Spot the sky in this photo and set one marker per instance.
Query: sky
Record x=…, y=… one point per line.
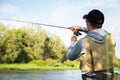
x=63, y=13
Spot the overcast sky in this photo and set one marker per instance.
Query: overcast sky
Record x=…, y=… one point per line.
x=62, y=13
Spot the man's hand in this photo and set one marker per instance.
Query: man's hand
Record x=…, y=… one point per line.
x=75, y=28
x=74, y=38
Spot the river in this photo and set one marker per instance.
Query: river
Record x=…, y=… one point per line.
x=41, y=75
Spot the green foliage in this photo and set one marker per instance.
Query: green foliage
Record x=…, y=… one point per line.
x=54, y=48
x=50, y=62
x=38, y=62
x=72, y=63
x=8, y=49
x=47, y=62
x=30, y=43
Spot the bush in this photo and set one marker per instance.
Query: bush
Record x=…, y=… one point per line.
x=71, y=63
x=38, y=62
x=59, y=65
x=51, y=62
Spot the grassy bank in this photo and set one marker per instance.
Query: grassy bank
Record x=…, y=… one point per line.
x=34, y=67
x=37, y=67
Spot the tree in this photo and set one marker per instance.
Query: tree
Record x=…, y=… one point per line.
x=9, y=50
x=32, y=44
x=54, y=48
x=29, y=43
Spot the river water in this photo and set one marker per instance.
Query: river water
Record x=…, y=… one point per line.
x=41, y=75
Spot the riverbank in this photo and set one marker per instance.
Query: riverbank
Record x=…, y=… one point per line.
x=37, y=67
x=34, y=67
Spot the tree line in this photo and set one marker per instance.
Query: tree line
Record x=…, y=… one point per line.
x=30, y=42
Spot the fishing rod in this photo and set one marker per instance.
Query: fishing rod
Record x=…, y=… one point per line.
x=77, y=33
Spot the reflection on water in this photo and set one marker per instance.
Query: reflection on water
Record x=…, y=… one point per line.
x=41, y=75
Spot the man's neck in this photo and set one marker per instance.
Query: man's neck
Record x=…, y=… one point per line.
x=91, y=28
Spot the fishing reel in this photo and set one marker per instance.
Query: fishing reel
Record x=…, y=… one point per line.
x=77, y=33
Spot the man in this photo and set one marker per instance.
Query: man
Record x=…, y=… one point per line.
x=96, y=50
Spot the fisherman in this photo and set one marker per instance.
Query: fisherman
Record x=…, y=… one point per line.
x=96, y=50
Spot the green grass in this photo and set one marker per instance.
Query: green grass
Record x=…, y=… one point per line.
x=33, y=67
x=117, y=68
x=37, y=67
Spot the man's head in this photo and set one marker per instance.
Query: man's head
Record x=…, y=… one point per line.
x=95, y=17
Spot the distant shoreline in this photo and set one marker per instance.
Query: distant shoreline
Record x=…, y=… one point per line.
x=37, y=67
x=34, y=67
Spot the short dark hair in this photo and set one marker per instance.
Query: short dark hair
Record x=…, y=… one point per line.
x=97, y=25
